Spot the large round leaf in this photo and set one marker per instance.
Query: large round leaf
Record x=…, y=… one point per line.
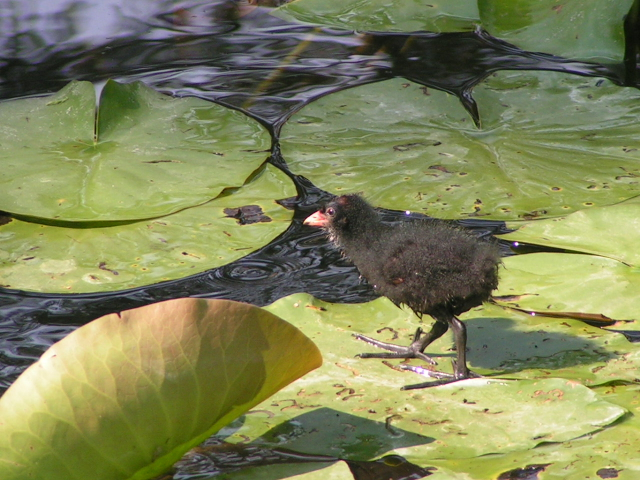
x=564, y=282
x=381, y=15
x=126, y=395
x=353, y=408
x=550, y=144
x=366, y=415
x=48, y=258
x=609, y=453
x=584, y=29
x=612, y=231
x=146, y=155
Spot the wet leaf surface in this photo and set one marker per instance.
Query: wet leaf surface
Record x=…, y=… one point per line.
x=145, y=156
x=48, y=258
x=612, y=231
x=552, y=27
x=409, y=148
x=571, y=282
x=613, y=448
x=376, y=15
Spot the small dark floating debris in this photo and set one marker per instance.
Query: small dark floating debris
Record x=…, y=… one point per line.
x=608, y=472
x=593, y=319
x=163, y=161
x=530, y=472
x=247, y=215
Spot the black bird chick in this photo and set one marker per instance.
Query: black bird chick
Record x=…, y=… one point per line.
x=432, y=267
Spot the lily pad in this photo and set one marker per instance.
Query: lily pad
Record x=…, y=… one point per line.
x=512, y=344
x=581, y=29
x=47, y=258
x=557, y=282
x=126, y=395
x=353, y=408
x=610, y=453
x=584, y=29
x=612, y=231
x=380, y=15
x=147, y=155
x=550, y=144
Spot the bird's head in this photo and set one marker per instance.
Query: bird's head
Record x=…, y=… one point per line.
x=345, y=216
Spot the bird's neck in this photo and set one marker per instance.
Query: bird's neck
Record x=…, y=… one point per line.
x=365, y=227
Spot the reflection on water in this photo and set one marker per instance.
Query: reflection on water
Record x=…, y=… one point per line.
x=247, y=59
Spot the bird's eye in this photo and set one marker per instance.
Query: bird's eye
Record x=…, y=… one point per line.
x=330, y=211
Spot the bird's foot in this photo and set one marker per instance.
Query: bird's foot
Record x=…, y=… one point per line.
x=396, y=351
x=440, y=378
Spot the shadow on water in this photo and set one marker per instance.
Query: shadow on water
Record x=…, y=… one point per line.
x=244, y=61
x=324, y=435
x=270, y=69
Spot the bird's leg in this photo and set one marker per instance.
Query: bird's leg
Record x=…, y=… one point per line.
x=460, y=369
x=415, y=350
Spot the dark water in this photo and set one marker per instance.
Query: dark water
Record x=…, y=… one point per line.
x=222, y=53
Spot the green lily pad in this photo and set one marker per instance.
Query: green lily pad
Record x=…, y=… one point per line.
x=587, y=30
x=353, y=408
x=126, y=395
x=380, y=15
x=550, y=144
x=147, y=155
x=557, y=282
x=517, y=345
x=582, y=29
x=610, y=453
x=48, y=258
x=612, y=231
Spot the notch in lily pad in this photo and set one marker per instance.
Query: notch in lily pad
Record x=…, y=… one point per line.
x=143, y=155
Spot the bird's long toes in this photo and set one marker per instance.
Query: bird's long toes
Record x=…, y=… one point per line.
x=425, y=371
x=426, y=358
x=395, y=351
x=439, y=378
x=391, y=347
x=434, y=383
x=463, y=372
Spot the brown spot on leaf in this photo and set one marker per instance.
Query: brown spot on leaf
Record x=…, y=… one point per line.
x=313, y=307
x=440, y=168
x=103, y=266
x=406, y=146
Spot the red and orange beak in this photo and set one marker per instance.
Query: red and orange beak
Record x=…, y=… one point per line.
x=318, y=219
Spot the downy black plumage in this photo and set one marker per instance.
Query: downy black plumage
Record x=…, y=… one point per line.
x=431, y=266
